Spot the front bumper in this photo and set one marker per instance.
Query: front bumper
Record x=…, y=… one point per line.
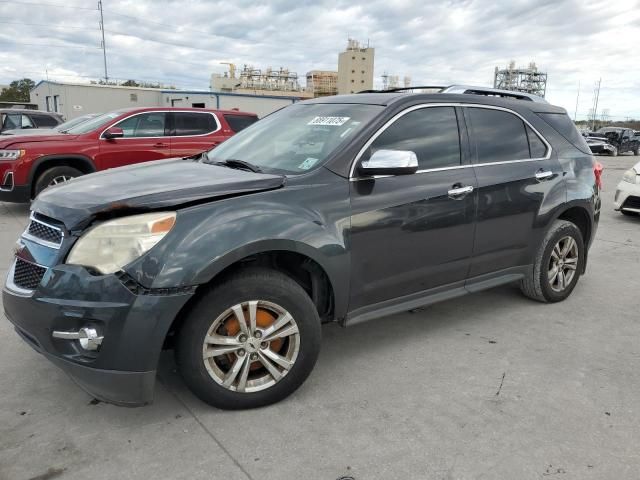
x=134, y=327
x=17, y=194
x=603, y=149
x=627, y=197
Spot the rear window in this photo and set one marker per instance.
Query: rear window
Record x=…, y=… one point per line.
x=240, y=122
x=562, y=124
x=44, y=121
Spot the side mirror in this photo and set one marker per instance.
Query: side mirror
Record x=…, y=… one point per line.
x=390, y=162
x=113, y=132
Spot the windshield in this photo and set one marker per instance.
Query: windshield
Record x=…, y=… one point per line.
x=295, y=139
x=94, y=123
x=72, y=123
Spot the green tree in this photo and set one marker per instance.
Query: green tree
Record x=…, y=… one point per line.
x=18, y=91
x=130, y=83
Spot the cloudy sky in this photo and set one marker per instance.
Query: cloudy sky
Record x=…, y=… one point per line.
x=433, y=42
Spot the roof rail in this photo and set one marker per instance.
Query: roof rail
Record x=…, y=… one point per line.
x=439, y=88
x=493, y=92
x=487, y=91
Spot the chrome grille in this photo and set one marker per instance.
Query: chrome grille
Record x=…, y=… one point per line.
x=43, y=232
x=27, y=275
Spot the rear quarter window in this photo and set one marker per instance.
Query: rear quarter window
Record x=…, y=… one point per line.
x=240, y=122
x=562, y=124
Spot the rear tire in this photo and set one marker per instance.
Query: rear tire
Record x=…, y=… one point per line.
x=541, y=284
x=226, y=365
x=55, y=176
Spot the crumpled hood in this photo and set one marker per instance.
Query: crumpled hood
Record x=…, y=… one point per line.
x=147, y=186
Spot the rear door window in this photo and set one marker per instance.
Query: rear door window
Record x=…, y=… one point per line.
x=240, y=122
x=431, y=133
x=194, y=123
x=498, y=136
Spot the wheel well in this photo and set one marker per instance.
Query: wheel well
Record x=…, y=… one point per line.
x=304, y=270
x=580, y=218
x=78, y=163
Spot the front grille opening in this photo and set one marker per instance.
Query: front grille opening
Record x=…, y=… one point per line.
x=44, y=232
x=27, y=275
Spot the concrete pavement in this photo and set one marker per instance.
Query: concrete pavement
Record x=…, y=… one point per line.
x=490, y=386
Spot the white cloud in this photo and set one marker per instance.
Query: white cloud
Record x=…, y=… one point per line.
x=456, y=41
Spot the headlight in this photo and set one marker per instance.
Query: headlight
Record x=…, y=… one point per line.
x=11, y=154
x=111, y=245
x=631, y=176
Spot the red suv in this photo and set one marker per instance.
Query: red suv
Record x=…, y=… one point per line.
x=29, y=164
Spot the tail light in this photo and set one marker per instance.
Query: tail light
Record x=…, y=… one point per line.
x=597, y=169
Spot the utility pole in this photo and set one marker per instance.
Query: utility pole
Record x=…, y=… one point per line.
x=104, y=46
x=595, y=104
x=575, y=114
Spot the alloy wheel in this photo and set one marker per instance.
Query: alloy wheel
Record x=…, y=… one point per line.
x=251, y=346
x=563, y=264
x=59, y=179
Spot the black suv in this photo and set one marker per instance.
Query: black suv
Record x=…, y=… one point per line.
x=339, y=209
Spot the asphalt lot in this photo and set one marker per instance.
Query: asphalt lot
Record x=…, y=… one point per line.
x=490, y=386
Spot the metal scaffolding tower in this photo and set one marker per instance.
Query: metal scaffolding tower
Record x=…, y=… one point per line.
x=521, y=79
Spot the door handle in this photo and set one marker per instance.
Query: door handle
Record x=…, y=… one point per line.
x=459, y=192
x=161, y=145
x=543, y=175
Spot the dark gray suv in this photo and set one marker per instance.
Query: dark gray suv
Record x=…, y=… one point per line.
x=340, y=209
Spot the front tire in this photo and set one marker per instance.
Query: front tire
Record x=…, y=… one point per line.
x=250, y=341
x=54, y=176
x=557, y=265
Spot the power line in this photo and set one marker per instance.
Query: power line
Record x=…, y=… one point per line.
x=46, y=25
x=41, y=4
x=48, y=45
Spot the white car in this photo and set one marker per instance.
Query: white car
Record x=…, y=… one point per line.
x=627, y=198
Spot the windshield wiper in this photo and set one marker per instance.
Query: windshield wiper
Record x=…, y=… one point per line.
x=239, y=164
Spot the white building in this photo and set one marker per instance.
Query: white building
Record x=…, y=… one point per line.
x=75, y=99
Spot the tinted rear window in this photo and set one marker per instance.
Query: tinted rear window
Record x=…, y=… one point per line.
x=191, y=123
x=498, y=136
x=240, y=122
x=44, y=120
x=562, y=124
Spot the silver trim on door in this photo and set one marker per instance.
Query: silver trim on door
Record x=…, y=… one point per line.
x=458, y=192
x=544, y=175
x=463, y=105
x=218, y=125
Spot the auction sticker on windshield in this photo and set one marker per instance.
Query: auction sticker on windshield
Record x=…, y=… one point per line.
x=333, y=121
